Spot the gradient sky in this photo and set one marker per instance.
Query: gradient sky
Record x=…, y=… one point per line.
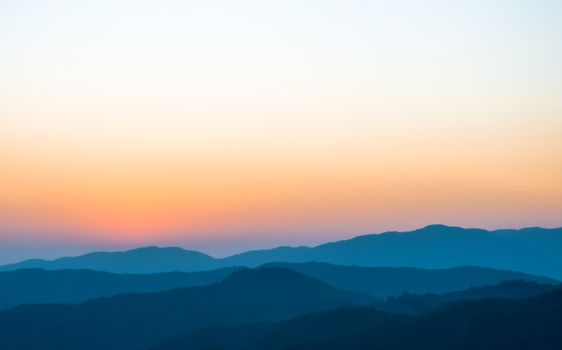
x=228, y=125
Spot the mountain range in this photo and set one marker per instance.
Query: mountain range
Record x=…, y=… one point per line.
x=530, y=250
x=383, y=282
x=486, y=324
x=134, y=321
x=438, y=287
x=32, y=286
x=413, y=304
x=251, y=308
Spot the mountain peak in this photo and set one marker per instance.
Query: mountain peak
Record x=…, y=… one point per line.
x=269, y=275
x=436, y=227
x=159, y=250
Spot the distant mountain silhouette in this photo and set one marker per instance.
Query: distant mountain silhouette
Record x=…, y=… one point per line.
x=530, y=250
x=415, y=304
x=141, y=260
x=386, y=281
x=488, y=324
x=31, y=286
x=134, y=321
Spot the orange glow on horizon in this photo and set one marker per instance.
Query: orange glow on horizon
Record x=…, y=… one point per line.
x=226, y=120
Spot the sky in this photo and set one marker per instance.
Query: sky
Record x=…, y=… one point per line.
x=232, y=125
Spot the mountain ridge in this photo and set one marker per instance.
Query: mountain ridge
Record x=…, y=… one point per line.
x=246, y=296
x=383, y=282
x=531, y=250
x=32, y=286
x=490, y=324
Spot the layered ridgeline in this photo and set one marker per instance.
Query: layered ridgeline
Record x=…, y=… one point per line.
x=34, y=286
x=134, y=321
x=250, y=300
x=31, y=286
x=529, y=324
x=383, y=282
x=413, y=304
x=531, y=250
x=246, y=310
x=141, y=260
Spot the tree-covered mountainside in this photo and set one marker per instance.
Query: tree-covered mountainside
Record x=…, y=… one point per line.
x=132, y=321
x=33, y=286
x=487, y=324
x=245, y=309
x=392, y=281
x=408, y=303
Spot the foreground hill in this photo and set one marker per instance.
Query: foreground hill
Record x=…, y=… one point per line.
x=386, y=281
x=530, y=250
x=408, y=303
x=32, y=286
x=133, y=321
x=490, y=324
